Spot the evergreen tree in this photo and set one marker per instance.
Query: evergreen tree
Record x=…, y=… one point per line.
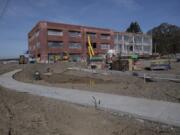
x=134, y=28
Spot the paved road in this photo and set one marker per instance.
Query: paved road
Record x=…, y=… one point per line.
x=159, y=111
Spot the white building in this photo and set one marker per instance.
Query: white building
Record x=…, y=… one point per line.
x=127, y=44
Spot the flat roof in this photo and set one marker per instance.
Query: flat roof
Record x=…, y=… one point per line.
x=83, y=26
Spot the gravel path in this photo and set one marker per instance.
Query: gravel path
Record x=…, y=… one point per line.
x=159, y=111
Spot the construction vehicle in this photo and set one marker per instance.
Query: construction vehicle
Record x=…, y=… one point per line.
x=22, y=59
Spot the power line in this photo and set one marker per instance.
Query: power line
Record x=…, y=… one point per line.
x=4, y=8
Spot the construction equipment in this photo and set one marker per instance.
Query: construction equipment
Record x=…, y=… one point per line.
x=65, y=56
x=95, y=61
x=160, y=64
x=36, y=75
x=111, y=57
x=22, y=59
x=90, y=49
x=122, y=65
x=53, y=58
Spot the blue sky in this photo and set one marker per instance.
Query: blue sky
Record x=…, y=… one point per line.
x=21, y=15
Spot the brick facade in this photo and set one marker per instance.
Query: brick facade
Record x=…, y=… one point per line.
x=48, y=38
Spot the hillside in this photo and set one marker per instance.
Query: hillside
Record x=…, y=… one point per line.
x=166, y=38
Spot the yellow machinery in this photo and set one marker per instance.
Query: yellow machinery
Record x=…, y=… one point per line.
x=22, y=59
x=90, y=49
x=65, y=56
x=96, y=62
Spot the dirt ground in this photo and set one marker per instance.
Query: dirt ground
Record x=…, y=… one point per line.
x=122, y=85
x=25, y=114
x=9, y=67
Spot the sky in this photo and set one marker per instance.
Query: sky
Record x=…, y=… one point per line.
x=20, y=16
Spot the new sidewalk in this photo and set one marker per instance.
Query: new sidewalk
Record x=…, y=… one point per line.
x=159, y=111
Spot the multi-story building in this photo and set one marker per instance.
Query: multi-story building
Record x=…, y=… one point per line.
x=48, y=39
x=127, y=44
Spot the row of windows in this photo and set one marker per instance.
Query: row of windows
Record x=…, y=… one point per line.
x=77, y=34
x=55, y=44
x=141, y=39
x=71, y=34
x=74, y=45
x=55, y=32
x=136, y=48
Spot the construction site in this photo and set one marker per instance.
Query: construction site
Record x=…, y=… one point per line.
x=80, y=80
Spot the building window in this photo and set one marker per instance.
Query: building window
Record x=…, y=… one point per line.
x=147, y=48
x=55, y=44
x=75, y=45
x=30, y=38
x=55, y=32
x=138, y=48
x=128, y=38
x=130, y=48
x=37, y=34
x=74, y=33
x=91, y=34
x=34, y=47
x=105, y=46
x=118, y=48
x=147, y=40
x=38, y=45
x=105, y=36
x=138, y=39
x=120, y=37
x=94, y=45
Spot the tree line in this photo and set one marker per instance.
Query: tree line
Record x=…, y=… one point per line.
x=166, y=37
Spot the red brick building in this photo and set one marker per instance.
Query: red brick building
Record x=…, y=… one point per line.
x=48, y=39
